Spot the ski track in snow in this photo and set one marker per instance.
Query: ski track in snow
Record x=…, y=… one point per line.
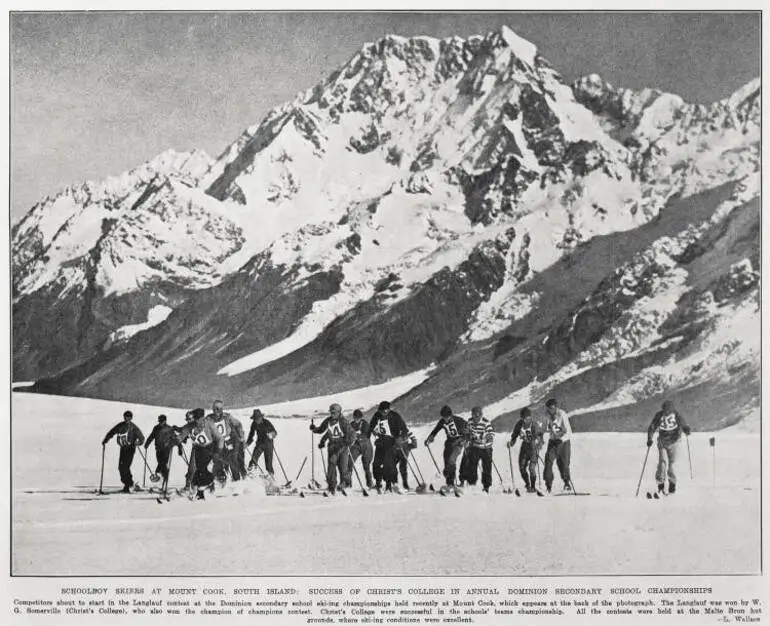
x=56, y=449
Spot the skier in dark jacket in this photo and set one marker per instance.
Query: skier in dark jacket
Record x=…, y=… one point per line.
x=362, y=446
x=405, y=445
x=456, y=429
x=669, y=425
x=164, y=436
x=265, y=432
x=341, y=437
x=128, y=436
x=390, y=431
x=531, y=433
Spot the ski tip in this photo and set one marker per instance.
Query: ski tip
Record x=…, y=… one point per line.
x=518, y=493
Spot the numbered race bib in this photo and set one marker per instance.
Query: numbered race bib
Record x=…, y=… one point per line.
x=122, y=439
x=221, y=427
x=451, y=429
x=382, y=429
x=335, y=431
x=201, y=438
x=668, y=422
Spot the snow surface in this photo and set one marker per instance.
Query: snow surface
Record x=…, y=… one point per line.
x=362, y=398
x=155, y=316
x=60, y=528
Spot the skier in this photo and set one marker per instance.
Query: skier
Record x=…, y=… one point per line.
x=265, y=432
x=388, y=427
x=669, y=425
x=231, y=430
x=456, y=430
x=403, y=447
x=165, y=439
x=208, y=445
x=128, y=437
x=481, y=437
x=340, y=436
x=362, y=446
x=531, y=433
x=559, y=448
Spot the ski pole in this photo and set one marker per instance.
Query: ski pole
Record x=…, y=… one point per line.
x=153, y=476
x=420, y=484
x=275, y=451
x=301, y=467
x=497, y=471
x=513, y=480
x=417, y=466
x=644, y=465
x=168, y=474
x=144, y=476
x=358, y=477
x=539, y=476
x=101, y=471
x=313, y=482
x=432, y=458
x=689, y=458
x=323, y=462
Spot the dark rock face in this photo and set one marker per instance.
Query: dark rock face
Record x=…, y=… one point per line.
x=570, y=241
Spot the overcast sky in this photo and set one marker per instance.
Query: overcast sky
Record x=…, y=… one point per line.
x=95, y=94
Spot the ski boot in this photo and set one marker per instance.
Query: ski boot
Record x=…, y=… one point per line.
x=671, y=488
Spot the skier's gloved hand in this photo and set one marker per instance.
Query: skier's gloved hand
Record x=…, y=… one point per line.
x=272, y=435
x=649, y=443
x=311, y=427
x=510, y=443
x=686, y=430
x=321, y=446
x=428, y=441
x=104, y=442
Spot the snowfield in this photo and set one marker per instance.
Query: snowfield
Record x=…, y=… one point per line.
x=61, y=528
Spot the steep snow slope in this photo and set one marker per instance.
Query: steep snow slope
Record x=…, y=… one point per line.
x=433, y=201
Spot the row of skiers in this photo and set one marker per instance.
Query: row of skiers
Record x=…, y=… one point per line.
x=219, y=446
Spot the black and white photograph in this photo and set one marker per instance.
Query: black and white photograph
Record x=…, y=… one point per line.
x=385, y=293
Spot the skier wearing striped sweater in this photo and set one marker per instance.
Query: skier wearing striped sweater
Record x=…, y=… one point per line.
x=481, y=437
x=456, y=430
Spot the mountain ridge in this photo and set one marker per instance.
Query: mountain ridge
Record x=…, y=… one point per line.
x=414, y=197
